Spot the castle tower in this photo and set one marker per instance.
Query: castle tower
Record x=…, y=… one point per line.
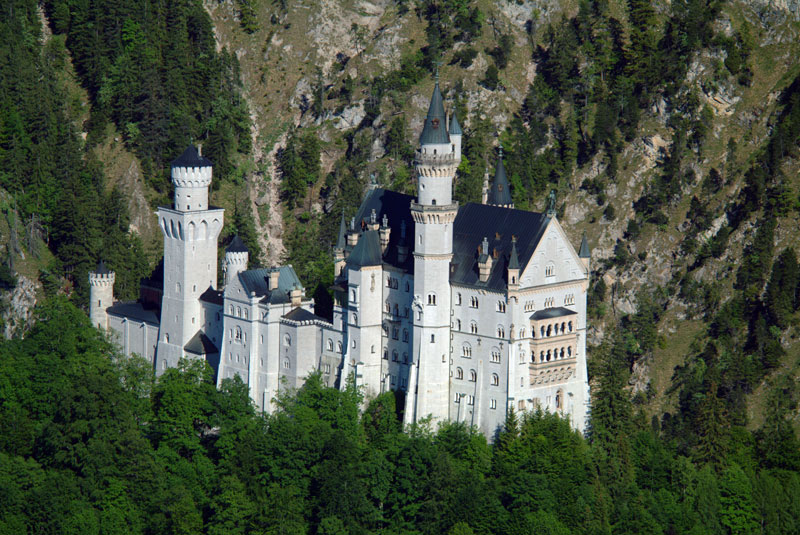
x=101, y=295
x=236, y=258
x=500, y=194
x=585, y=254
x=434, y=212
x=190, y=228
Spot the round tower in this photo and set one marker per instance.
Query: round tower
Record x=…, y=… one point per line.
x=191, y=175
x=236, y=258
x=101, y=295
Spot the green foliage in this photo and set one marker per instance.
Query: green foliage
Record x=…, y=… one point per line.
x=299, y=163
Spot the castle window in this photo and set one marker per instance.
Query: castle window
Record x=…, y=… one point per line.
x=166, y=337
x=338, y=347
x=245, y=314
x=330, y=344
x=501, y=306
x=495, y=355
x=458, y=298
x=466, y=350
x=473, y=302
x=501, y=331
x=408, y=287
x=405, y=312
x=432, y=299
x=569, y=326
x=569, y=299
x=405, y=358
x=473, y=327
x=287, y=340
x=458, y=325
x=459, y=373
x=493, y=404
x=495, y=380
x=394, y=356
x=433, y=338
x=388, y=307
x=385, y=354
x=178, y=287
x=549, y=270
x=238, y=312
x=237, y=335
x=522, y=333
x=353, y=344
x=569, y=351
x=396, y=310
x=285, y=364
x=473, y=376
x=521, y=404
x=353, y=295
x=405, y=335
x=470, y=400
x=372, y=349
x=355, y=318
x=395, y=333
x=457, y=398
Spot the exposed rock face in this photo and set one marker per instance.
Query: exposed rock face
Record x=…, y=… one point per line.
x=18, y=306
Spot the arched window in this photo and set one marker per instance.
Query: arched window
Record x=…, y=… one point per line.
x=394, y=356
x=569, y=351
x=432, y=299
x=330, y=344
x=237, y=335
x=458, y=298
x=285, y=364
x=458, y=325
x=238, y=312
x=459, y=373
x=287, y=340
x=388, y=307
x=548, y=330
x=495, y=355
x=405, y=335
x=473, y=327
x=338, y=347
x=501, y=306
x=501, y=331
x=466, y=350
x=408, y=287
x=405, y=358
x=245, y=314
x=473, y=376
x=372, y=349
x=396, y=310
x=495, y=380
x=353, y=295
x=231, y=310
x=385, y=354
x=569, y=326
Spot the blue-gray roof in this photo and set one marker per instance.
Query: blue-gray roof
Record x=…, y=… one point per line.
x=200, y=344
x=549, y=313
x=367, y=251
x=102, y=269
x=455, y=128
x=302, y=315
x=435, y=129
x=212, y=296
x=135, y=311
x=472, y=224
x=341, y=241
x=257, y=281
x=513, y=260
x=191, y=158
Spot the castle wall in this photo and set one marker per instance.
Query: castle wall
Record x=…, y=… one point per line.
x=134, y=336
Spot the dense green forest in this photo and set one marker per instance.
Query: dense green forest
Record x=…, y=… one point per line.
x=93, y=445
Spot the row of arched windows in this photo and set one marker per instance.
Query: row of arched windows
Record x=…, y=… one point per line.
x=237, y=311
x=473, y=377
x=555, y=329
x=329, y=346
x=553, y=354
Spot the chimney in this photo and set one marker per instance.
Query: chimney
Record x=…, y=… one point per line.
x=352, y=235
x=296, y=295
x=484, y=261
x=274, y=274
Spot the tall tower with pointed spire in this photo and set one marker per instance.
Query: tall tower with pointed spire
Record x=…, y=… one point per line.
x=434, y=212
x=190, y=228
x=499, y=193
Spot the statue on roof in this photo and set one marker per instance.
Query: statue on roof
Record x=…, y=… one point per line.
x=551, y=204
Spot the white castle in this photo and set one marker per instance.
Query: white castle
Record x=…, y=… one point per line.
x=464, y=311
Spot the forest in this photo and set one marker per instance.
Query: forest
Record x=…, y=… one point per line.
x=92, y=444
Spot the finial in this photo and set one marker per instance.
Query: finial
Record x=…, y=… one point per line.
x=372, y=216
x=385, y=221
x=500, y=143
x=353, y=223
x=437, y=64
x=485, y=246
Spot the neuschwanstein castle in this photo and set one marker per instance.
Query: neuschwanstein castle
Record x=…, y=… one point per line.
x=467, y=310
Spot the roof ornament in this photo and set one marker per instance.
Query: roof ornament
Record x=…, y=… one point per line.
x=551, y=204
x=385, y=221
x=353, y=224
x=372, y=217
x=485, y=246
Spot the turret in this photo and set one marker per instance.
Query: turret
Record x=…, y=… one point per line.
x=338, y=251
x=236, y=258
x=500, y=193
x=485, y=189
x=101, y=294
x=191, y=175
x=513, y=266
x=584, y=253
x=436, y=159
x=455, y=134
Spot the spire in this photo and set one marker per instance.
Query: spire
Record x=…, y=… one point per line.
x=500, y=193
x=236, y=246
x=435, y=130
x=584, y=251
x=341, y=242
x=513, y=261
x=102, y=269
x=455, y=128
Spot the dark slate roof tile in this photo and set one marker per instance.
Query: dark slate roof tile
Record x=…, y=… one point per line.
x=549, y=313
x=135, y=311
x=257, y=281
x=191, y=158
x=237, y=246
x=435, y=129
x=367, y=251
x=200, y=344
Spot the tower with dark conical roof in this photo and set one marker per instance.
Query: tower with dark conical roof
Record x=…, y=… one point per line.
x=190, y=228
x=236, y=258
x=434, y=212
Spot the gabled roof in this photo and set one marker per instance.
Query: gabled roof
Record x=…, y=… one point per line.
x=367, y=251
x=549, y=313
x=473, y=222
x=455, y=128
x=236, y=246
x=584, y=252
x=257, y=281
x=435, y=129
x=499, y=192
x=191, y=158
x=200, y=344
